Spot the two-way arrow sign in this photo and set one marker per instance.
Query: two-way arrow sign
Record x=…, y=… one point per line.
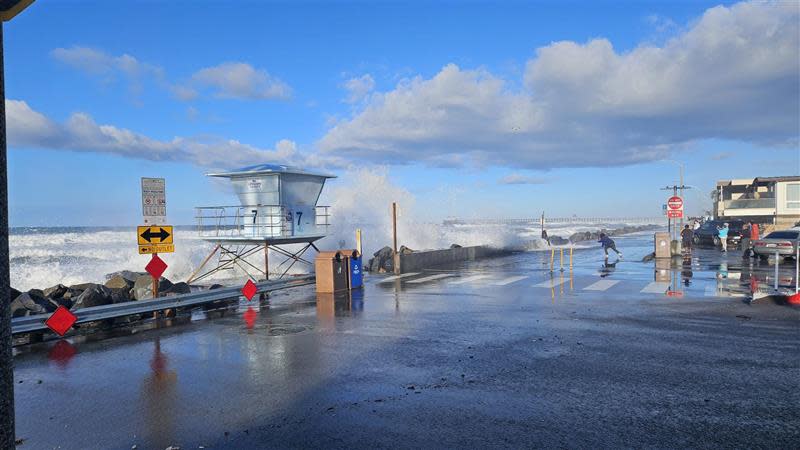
x=155, y=235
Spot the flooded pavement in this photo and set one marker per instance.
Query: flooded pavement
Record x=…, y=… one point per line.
x=495, y=353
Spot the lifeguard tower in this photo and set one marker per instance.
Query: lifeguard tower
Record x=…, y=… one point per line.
x=278, y=207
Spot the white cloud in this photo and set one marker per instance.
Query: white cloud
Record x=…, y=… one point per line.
x=517, y=178
x=107, y=67
x=358, y=88
x=733, y=74
x=28, y=128
x=235, y=80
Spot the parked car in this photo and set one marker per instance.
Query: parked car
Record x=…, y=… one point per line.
x=782, y=242
x=709, y=235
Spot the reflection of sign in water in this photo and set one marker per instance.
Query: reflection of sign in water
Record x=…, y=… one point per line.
x=160, y=400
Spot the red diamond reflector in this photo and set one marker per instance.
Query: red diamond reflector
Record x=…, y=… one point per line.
x=156, y=267
x=249, y=290
x=61, y=321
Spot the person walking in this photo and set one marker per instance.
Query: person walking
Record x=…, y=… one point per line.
x=722, y=232
x=686, y=237
x=608, y=243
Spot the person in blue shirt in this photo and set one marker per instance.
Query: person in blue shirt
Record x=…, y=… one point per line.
x=608, y=243
x=722, y=232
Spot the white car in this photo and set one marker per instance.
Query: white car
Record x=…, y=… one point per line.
x=784, y=243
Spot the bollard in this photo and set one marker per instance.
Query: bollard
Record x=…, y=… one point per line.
x=777, y=264
x=562, y=259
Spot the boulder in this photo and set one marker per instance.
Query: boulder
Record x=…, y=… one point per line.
x=143, y=287
x=558, y=240
x=34, y=302
x=649, y=257
x=405, y=250
x=95, y=295
x=455, y=246
x=126, y=274
x=119, y=282
x=383, y=259
x=178, y=288
x=120, y=295
x=81, y=287
x=56, y=291
x=215, y=286
x=18, y=309
x=14, y=293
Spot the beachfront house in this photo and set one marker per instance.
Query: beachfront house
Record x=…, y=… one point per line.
x=766, y=200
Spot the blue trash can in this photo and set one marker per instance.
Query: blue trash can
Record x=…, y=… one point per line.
x=356, y=270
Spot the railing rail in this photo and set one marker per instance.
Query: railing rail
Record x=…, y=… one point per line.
x=257, y=221
x=750, y=203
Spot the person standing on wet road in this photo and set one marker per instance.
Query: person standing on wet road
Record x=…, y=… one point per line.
x=722, y=232
x=686, y=237
x=608, y=243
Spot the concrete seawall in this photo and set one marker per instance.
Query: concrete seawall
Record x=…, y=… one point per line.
x=416, y=261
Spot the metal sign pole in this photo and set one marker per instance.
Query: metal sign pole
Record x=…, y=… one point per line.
x=6, y=359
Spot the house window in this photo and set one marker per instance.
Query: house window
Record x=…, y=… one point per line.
x=793, y=196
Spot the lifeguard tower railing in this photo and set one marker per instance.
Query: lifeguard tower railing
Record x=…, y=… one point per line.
x=258, y=222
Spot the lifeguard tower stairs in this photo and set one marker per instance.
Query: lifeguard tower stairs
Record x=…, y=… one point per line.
x=278, y=211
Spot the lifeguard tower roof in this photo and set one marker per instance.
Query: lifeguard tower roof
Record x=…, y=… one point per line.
x=265, y=169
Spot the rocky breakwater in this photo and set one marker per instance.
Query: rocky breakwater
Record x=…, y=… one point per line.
x=124, y=286
x=595, y=235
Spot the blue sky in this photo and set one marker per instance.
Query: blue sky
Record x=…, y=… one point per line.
x=576, y=103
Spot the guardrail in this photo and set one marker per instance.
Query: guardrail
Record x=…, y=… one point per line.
x=258, y=221
x=560, y=220
x=28, y=324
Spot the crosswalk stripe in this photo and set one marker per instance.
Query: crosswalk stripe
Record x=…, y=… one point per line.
x=601, y=285
x=431, y=278
x=553, y=282
x=469, y=279
x=397, y=277
x=509, y=280
x=711, y=291
x=656, y=287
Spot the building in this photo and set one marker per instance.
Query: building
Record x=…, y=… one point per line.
x=767, y=200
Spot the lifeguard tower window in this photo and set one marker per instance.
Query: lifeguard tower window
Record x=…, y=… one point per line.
x=277, y=206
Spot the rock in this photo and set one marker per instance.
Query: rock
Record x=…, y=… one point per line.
x=215, y=286
x=126, y=274
x=405, y=250
x=56, y=291
x=95, y=295
x=119, y=282
x=14, y=294
x=649, y=257
x=383, y=259
x=18, y=309
x=81, y=287
x=455, y=246
x=178, y=288
x=558, y=240
x=143, y=287
x=34, y=302
x=120, y=295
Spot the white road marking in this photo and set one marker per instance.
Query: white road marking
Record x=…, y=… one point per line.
x=469, y=279
x=431, y=278
x=656, y=287
x=509, y=280
x=601, y=285
x=711, y=291
x=397, y=277
x=552, y=282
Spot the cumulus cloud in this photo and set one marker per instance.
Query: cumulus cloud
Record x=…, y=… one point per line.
x=518, y=178
x=733, y=74
x=235, y=80
x=358, y=88
x=28, y=128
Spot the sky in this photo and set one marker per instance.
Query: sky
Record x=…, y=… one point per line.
x=477, y=109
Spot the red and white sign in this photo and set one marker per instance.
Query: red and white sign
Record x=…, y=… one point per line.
x=675, y=207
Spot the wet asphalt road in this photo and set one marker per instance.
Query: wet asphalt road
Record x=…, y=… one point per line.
x=495, y=353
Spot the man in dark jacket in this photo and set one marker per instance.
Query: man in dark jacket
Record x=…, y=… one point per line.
x=608, y=243
x=686, y=238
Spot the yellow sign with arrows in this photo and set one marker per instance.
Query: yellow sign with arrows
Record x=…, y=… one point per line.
x=155, y=239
